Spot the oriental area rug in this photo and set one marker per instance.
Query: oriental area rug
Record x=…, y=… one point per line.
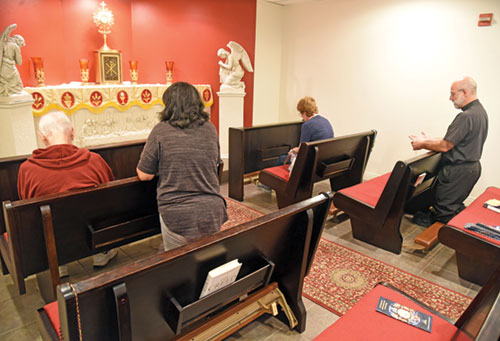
x=340, y=277
x=238, y=214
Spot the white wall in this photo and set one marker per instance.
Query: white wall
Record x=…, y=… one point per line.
x=388, y=65
x=267, y=78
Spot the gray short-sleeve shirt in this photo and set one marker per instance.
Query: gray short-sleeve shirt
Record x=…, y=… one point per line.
x=188, y=188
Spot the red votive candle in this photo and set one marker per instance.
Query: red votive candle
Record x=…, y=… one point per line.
x=84, y=64
x=170, y=65
x=37, y=63
x=133, y=65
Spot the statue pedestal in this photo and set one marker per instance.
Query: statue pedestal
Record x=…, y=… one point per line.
x=230, y=115
x=17, y=127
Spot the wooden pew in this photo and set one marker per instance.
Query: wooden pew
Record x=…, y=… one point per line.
x=121, y=157
x=59, y=228
x=255, y=148
x=480, y=321
x=158, y=297
x=377, y=206
x=342, y=160
x=477, y=255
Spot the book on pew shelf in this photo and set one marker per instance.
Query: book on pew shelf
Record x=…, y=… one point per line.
x=492, y=204
x=402, y=313
x=221, y=277
x=485, y=230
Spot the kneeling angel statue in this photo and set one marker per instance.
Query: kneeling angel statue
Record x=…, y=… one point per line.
x=230, y=71
x=10, y=55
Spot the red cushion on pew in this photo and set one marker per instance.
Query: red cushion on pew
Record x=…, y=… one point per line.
x=476, y=213
x=363, y=322
x=279, y=171
x=52, y=310
x=369, y=191
x=6, y=236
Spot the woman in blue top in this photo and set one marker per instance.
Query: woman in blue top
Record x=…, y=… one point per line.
x=315, y=127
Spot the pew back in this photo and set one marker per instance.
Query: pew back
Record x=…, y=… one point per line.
x=481, y=320
x=121, y=157
x=131, y=302
x=84, y=222
x=342, y=160
x=400, y=191
x=258, y=147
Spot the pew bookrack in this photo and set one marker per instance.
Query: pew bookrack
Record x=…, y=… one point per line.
x=184, y=311
x=122, y=229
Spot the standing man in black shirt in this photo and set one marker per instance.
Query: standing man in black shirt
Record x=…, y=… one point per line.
x=462, y=147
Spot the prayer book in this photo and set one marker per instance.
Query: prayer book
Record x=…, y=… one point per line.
x=402, y=313
x=221, y=277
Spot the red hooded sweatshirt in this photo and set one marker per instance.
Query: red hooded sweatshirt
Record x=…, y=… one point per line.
x=60, y=168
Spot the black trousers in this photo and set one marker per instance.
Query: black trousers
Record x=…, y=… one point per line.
x=454, y=184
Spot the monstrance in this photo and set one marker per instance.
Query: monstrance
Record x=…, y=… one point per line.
x=108, y=61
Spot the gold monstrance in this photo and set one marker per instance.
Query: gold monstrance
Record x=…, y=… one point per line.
x=108, y=61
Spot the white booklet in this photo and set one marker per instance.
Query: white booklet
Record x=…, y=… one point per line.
x=221, y=277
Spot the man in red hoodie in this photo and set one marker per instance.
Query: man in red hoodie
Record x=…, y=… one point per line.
x=62, y=166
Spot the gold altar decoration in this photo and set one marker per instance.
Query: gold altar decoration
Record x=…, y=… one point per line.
x=104, y=19
x=108, y=61
x=97, y=98
x=39, y=72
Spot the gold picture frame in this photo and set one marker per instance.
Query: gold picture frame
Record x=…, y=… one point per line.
x=109, y=67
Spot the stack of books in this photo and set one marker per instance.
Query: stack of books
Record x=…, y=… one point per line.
x=485, y=230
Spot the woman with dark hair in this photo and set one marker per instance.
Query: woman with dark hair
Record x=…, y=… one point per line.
x=183, y=150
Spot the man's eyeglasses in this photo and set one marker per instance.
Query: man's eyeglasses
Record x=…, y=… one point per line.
x=453, y=93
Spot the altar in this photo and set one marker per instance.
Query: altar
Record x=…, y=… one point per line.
x=106, y=113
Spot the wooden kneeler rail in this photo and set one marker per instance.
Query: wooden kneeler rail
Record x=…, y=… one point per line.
x=429, y=237
x=263, y=301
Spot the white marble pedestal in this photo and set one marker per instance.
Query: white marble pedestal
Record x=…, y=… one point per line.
x=230, y=115
x=17, y=128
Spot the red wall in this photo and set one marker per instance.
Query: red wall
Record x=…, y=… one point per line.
x=150, y=31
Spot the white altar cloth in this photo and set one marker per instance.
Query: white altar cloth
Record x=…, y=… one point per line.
x=106, y=113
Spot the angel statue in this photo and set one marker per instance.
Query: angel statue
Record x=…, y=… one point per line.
x=10, y=55
x=230, y=71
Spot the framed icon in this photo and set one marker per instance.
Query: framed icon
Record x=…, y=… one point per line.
x=109, y=67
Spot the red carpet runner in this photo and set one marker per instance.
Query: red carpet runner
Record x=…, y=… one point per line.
x=339, y=278
x=239, y=214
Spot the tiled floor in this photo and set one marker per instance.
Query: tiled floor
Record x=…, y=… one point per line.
x=17, y=313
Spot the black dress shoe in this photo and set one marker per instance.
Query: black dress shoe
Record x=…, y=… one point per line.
x=423, y=219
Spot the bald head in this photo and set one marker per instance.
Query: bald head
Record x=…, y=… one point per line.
x=55, y=128
x=463, y=91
